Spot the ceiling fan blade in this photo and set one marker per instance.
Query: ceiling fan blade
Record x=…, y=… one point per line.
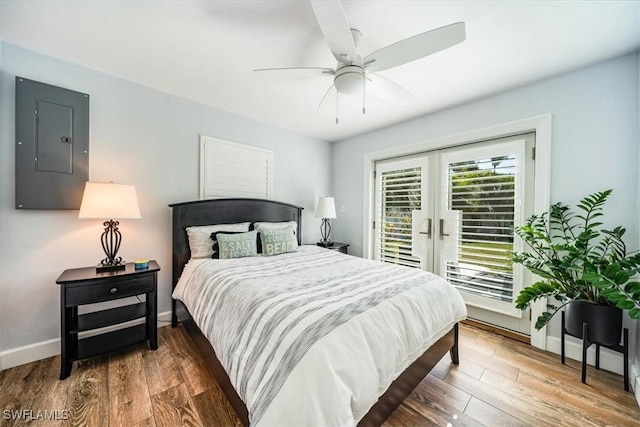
x=415, y=47
x=300, y=71
x=335, y=29
x=387, y=90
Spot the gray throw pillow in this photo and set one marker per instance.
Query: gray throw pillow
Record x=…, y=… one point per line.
x=278, y=241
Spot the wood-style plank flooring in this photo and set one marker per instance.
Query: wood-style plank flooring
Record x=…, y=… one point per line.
x=499, y=382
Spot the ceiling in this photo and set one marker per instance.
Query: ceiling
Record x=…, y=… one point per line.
x=206, y=50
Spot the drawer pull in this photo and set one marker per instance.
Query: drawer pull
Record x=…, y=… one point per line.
x=114, y=290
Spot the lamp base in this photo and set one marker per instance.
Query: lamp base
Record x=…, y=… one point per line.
x=106, y=268
x=110, y=239
x=325, y=232
x=325, y=244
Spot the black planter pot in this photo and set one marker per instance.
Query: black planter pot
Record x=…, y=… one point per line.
x=605, y=322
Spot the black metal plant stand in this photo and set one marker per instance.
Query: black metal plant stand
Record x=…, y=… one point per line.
x=624, y=349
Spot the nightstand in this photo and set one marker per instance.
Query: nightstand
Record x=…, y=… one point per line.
x=80, y=286
x=335, y=246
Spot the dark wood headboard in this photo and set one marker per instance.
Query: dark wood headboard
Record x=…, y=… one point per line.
x=224, y=211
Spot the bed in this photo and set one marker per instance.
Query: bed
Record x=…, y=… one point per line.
x=287, y=401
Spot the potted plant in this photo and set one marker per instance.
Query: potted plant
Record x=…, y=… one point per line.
x=582, y=267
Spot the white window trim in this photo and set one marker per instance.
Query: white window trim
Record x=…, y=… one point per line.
x=541, y=125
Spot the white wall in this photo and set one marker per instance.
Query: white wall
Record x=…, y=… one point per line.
x=595, y=135
x=138, y=136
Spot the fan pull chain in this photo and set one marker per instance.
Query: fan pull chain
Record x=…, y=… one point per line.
x=364, y=93
x=337, y=99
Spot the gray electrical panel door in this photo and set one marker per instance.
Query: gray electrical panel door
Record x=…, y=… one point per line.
x=52, y=146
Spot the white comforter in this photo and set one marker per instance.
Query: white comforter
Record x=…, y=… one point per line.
x=279, y=328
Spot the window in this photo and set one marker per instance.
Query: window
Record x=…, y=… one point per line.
x=460, y=225
x=483, y=191
x=399, y=186
x=537, y=199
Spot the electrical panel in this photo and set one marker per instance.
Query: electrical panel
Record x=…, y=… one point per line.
x=52, y=146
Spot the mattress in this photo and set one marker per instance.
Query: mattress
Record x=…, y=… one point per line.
x=314, y=337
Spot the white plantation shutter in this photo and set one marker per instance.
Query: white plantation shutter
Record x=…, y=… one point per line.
x=485, y=187
x=399, y=190
x=230, y=169
x=486, y=199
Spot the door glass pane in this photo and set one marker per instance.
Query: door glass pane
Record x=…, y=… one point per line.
x=483, y=190
x=400, y=193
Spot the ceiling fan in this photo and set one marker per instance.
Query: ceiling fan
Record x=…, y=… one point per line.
x=354, y=74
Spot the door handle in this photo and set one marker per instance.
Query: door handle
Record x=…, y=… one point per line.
x=442, y=233
x=429, y=227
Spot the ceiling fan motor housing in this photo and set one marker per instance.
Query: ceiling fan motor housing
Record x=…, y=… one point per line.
x=349, y=79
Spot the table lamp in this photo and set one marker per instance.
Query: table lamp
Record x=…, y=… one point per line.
x=326, y=209
x=110, y=202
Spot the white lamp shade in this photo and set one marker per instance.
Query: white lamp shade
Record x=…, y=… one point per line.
x=109, y=201
x=326, y=208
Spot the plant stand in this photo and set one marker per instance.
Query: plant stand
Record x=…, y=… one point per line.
x=624, y=349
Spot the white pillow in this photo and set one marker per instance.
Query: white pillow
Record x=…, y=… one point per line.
x=275, y=225
x=200, y=241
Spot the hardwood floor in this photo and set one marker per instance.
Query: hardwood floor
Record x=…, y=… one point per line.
x=499, y=382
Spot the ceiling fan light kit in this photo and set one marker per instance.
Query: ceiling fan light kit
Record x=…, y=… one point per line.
x=355, y=75
x=349, y=79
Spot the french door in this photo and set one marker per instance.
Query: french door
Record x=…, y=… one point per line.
x=453, y=212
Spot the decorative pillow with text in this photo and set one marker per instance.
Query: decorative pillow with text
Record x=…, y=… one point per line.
x=278, y=241
x=237, y=245
x=260, y=226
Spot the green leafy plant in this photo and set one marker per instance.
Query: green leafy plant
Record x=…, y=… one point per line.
x=577, y=260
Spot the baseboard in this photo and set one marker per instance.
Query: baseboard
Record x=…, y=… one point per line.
x=29, y=353
x=497, y=330
x=609, y=360
x=41, y=350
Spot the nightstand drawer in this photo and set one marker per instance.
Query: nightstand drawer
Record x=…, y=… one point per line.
x=88, y=294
